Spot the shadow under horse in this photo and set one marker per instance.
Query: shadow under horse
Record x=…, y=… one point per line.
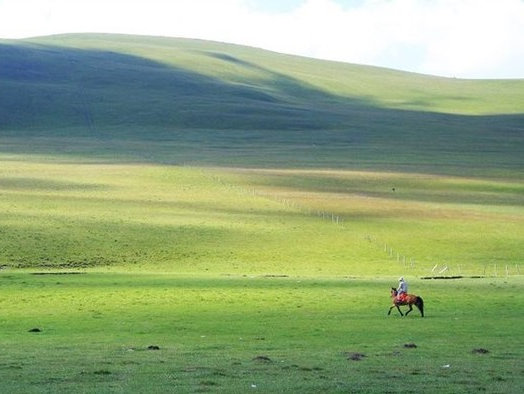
x=409, y=300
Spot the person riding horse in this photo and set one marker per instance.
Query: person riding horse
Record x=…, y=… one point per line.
x=400, y=297
x=402, y=289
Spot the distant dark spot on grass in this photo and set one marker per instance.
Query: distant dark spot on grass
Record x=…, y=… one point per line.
x=480, y=351
x=219, y=373
x=355, y=356
x=129, y=362
x=263, y=359
x=58, y=273
x=11, y=366
x=35, y=330
x=410, y=345
x=102, y=372
x=153, y=347
x=208, y=383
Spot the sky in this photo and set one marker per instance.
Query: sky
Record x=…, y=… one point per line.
x=452, y=38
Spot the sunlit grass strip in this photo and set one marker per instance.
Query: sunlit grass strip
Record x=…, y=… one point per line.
x=343, y=205
x=163, y=219
x=191, y=219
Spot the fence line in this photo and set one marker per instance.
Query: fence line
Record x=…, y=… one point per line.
x=406, y=263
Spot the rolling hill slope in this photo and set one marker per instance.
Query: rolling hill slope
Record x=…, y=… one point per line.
x=173, y=100
x=120, y=273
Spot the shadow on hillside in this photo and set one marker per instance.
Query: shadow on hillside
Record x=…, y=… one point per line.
x=23, y=183
x=111, y=94
x=106, y=106
x=380, y=188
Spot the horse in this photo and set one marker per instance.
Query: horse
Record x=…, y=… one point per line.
x=409, y=300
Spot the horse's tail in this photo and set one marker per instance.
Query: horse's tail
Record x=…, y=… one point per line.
x=420, y=305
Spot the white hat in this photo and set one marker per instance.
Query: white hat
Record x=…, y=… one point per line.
x=401, y=279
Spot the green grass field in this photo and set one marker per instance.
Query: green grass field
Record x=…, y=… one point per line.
x=185, y=219
x=241, y=334
x=176, y=101
x=242, y=285
x=187, y=216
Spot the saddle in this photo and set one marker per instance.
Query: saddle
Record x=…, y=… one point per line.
x=402, y=297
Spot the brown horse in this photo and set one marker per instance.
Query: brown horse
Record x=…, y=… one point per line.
x=409, y=300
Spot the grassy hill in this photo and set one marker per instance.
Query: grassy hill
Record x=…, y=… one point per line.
x=178, y=100
x=442, y=158
x=265, y=262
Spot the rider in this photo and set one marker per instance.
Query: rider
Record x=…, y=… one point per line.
x=402, y=289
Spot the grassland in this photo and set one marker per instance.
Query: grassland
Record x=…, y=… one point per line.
x=256, y=221
x=174, y=101
x=242, y=286
x=234, y=334
x=284, y=76
x=245, y=214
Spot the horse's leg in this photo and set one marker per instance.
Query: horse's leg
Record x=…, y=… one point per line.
x=399, y=311
x=410, y=309
x=395, y=306
x=389, y=312
x=420, y=305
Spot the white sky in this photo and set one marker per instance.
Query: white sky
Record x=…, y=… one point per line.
x=461, y=38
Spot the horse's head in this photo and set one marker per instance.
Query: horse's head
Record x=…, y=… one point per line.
x=393, y=292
